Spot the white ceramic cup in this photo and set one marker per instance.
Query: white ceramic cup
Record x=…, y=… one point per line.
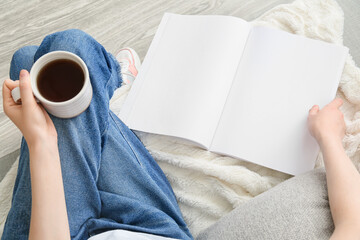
x=66, y=109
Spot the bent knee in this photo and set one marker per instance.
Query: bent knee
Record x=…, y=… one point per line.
x=26, y=52
x=68, y=40
x=72, y=34
x=23, y=58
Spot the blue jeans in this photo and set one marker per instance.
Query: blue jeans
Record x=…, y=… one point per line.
x=110, y=179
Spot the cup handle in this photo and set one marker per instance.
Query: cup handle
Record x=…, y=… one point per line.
x=15, y=93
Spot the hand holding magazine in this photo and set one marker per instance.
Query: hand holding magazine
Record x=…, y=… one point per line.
x=235, y=89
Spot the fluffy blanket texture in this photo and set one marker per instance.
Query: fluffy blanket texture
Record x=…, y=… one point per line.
x=208, y=186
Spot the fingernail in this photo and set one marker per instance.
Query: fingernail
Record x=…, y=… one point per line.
x=22, y=74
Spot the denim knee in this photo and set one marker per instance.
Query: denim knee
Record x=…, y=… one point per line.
x=76, y=36
x=23, y=58
x=71, y=40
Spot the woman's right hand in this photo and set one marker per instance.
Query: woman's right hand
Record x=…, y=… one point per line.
x=30, y=117
x=328, y=123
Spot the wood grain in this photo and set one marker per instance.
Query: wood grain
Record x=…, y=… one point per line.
x=114, y=24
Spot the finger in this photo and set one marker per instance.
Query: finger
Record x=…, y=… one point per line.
x=336, y=102
x=314, y=110
x=9, y=105
x=27, y=97
x=11, y=84
x=6, y=91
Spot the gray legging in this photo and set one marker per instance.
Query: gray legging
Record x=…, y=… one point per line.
x=295, y=209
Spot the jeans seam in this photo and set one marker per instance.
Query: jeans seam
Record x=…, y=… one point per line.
x=118, y=72
x=107, y=120
x=127, y=141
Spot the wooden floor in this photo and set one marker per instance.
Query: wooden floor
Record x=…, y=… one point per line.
x=113, y=23
x=116, y=24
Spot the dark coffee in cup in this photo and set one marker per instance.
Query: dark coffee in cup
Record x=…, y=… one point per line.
x=60, y=80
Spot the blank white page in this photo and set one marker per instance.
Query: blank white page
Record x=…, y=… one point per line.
x=186, y=76
x=280, y=77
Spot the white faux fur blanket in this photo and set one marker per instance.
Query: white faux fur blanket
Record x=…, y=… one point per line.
x=208, y=186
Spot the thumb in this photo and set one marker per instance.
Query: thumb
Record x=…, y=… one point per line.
x=27, y=97
x=314, y=110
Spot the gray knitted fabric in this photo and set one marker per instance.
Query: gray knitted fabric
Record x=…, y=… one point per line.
x=295, y=209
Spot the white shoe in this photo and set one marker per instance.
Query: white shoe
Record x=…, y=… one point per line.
x=129, y=63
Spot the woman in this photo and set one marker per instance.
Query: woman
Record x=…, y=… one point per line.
x=106, y=175
x=109, y=179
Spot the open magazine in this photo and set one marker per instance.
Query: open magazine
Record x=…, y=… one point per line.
x=235, y=89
